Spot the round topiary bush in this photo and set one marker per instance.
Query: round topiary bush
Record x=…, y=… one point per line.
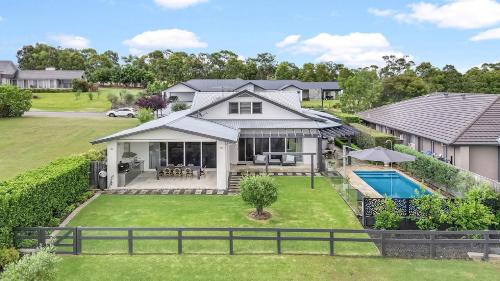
x=259, y=192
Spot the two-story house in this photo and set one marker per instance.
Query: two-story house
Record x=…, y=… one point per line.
x=222, y=130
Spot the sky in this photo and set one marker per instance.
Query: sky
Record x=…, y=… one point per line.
x=465, y=33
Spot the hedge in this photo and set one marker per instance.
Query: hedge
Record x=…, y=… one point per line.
x=41, y=197
x=368, y=137
x=434, y=171
x=346, y=118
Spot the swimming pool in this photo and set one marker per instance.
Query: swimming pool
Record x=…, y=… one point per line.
x=391, y=184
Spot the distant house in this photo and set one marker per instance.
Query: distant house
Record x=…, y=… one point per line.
x=461, y=129
x=38, y=79
x=185, y=91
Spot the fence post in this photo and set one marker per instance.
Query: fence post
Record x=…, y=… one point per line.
x=75, y=241
x=41, y=236
x=486, y=255
x=179, y=242
x=130, y=241
x=231, y=250
x=331, y=242
x=382, y=243
x=433, y=245
x=363, y=217
x=278, y=241
x=78, y=240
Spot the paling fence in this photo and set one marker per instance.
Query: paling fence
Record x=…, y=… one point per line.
x=193, y=240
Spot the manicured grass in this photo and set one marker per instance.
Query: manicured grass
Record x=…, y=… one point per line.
x=269, y=267
x=317, y=103
x=297, y=206
x=30, y=142
x=69, y=102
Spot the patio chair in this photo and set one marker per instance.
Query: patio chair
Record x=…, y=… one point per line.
x=189, y=172
x=177, y=172
x=202, y=171
x=259, y=160
x=288, y=160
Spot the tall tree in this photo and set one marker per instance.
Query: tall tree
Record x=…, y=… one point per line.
x=307, y=73
x=266, y=65
x=401, y=87
x=395, y=65
x=37, y=57
x=360, y=91
x=452, y=79
x=287, y=71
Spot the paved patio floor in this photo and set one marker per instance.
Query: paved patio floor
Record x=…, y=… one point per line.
x=147, y=180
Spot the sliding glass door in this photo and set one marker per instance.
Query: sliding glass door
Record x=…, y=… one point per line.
x=245, y=149
x=209, y=154
x=277, y=145
x=193, y=153
x=248, y=147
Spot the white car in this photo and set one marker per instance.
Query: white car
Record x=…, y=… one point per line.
x=122, y=112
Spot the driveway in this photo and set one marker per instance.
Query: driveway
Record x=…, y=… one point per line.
x=64, y=114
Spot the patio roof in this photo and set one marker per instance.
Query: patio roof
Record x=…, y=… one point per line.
x=338, y=132
x=288, y=133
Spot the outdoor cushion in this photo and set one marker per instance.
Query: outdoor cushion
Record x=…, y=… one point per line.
x=290, y=158
x=260, y=158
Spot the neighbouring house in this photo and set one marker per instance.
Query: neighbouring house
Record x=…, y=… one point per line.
x=38, y=79
x=185, y=91
x=222, y=132
x=461, y=129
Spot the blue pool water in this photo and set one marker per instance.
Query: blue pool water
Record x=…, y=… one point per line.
x=391, y=184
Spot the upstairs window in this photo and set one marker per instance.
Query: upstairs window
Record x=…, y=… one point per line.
x=245, y=107
x=233, y=108
x=256, y=107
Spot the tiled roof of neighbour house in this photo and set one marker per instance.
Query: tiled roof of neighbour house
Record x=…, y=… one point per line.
x=230, y=85
x=179, y=121
x=7, y=68
x=445, y=117
x=49, y=74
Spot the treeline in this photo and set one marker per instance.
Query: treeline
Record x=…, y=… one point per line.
x=398, y=79
x=401, y=79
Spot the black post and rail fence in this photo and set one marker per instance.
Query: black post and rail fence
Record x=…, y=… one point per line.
x=74, y=238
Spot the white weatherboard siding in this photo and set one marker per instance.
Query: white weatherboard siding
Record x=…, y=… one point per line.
x=164, y=135
x=223, y=164
x=112, y=163
x=269, y=111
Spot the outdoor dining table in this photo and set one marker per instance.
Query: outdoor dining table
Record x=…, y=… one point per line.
x=194, y=168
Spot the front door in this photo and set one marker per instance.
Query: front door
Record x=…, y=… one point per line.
x=245, y=149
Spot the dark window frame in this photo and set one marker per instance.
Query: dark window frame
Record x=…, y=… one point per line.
x=253, y=107
x=237, y=107
x=249, y=107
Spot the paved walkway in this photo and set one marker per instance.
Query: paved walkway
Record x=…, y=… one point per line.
x=165, y=192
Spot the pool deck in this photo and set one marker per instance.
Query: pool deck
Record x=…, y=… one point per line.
x=366, y=189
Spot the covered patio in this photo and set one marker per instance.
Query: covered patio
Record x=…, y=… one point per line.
x=148, y=180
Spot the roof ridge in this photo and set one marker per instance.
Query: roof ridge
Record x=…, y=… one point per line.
x=475, y=119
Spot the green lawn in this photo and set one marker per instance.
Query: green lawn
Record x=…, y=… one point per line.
x=30, y=142
x=297, y=206
x=317, y=103
x=68, y=101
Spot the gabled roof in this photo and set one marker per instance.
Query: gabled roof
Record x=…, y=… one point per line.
x=50, y=74
x=231, y=85
x=179, y=121
x=450, y=118
x=290, y=102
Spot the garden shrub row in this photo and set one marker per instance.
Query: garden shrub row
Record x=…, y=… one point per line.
x=346, y=118
x=368, y=137
x=41, y=197
x=435, y=172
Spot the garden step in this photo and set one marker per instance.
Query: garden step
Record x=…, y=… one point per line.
x=479, y=256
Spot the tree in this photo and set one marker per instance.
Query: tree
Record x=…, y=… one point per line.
x=452, y=79
x=153, y=103
x=266, y=65
x=360, y=91
x=395, y=66
x=325, y=72
x=14, y=101
x=179, y=106
x=260, y=192
x=145, y=115
x=432, y=75
x=37, y=57
x=286, y=71
x=401, y=87
x=307, y=73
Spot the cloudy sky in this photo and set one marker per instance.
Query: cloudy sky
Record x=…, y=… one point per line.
x=465, y=33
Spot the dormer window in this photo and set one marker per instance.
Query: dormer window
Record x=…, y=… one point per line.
x=233, y=108
x=256, y=107
x=245, y=107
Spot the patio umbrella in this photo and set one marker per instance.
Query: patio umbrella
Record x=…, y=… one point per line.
x=381, y=154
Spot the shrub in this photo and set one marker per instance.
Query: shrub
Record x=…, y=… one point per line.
x=430, y=210
x=14, y=101
x=40, y=266
x=145, y=115
x=468, y=214
x=259, y=191
x=81, y=85
x=91, y=96
x=8, y=255
x=346, y=118
x=112, y=98
x=179, y=106
x=35, y=197
x=128, y=98
x=368, y=137
x=77, y=94
x=387, y=218
x=153, y=103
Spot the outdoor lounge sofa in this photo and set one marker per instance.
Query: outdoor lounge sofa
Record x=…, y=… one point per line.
x=259, y=160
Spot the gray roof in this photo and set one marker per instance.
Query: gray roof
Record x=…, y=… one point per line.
x=180, y=121
x=450, y=118
x=230, y=85
x=50, y=74
x=7, y=68
x=274, y=124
